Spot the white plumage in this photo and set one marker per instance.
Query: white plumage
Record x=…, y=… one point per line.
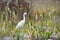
x=22, y=22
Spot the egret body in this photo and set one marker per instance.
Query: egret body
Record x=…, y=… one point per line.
x=22, y=22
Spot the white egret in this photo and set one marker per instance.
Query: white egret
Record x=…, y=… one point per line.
x=22, y=22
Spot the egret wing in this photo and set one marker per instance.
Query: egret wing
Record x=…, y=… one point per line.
x=20, y=24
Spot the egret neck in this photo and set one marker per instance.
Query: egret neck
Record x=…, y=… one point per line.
x=24, y=17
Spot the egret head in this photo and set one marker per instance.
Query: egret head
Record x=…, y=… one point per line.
x=25, y=13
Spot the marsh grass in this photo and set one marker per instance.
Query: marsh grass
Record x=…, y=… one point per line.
x=39, y=22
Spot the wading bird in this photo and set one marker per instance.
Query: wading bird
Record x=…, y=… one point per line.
x=22, y=22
